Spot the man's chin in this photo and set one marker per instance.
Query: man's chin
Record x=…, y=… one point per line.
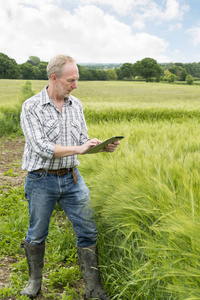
x=68, y=94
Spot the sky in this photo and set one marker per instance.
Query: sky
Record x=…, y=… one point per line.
x=101, y=31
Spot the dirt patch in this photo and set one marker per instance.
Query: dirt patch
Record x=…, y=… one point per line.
x=11, y=151
x=5, y=270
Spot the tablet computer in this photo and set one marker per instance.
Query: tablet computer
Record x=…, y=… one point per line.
x=101, y=146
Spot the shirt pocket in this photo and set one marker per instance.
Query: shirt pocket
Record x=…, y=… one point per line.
x=75, y=132
x=52, y=129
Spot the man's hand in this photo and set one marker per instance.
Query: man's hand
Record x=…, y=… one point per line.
x=111, y=147
x=89, y=144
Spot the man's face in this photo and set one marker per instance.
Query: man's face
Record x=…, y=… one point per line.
x=68, y=81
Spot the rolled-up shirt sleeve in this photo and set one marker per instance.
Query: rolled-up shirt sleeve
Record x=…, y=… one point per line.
x=34, y=134
x=83, y=136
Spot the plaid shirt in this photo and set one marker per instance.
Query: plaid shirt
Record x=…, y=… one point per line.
x=44, y=126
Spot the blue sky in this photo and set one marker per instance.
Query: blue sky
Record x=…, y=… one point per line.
x=101, y=31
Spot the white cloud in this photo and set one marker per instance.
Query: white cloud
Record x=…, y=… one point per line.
x=175, y=26
x=139, y=24
x=194, y=32
x=145, y=9
x=120, y=8
x=142, y=11
x=172, y=10
x=156, y=13
x=87, y=33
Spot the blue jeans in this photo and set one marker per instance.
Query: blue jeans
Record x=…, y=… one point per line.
x=43, y=190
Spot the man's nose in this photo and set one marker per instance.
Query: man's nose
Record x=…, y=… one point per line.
x=74, y=85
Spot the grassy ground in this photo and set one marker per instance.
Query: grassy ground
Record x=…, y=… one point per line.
x=62, y=279
x=145, y=196
x=10, y=91
x=105, y=92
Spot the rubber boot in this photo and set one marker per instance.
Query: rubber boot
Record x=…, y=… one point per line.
x=35, y=259
x=88, y=262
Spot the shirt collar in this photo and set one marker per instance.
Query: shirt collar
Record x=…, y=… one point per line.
x=45, y=96
x=46, y=99
x=69, y=100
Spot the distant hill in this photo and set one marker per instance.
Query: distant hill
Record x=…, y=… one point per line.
x=101, y=66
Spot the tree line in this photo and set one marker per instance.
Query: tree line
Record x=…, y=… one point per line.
x=147, y=69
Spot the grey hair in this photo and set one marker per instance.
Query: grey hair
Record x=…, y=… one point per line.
x=56, y=64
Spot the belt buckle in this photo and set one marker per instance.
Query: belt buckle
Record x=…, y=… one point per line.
x=61, y=172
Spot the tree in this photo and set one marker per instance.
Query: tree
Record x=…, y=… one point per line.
x=43, y=70
x=183, y=74
x=27, y=71
x=37, y=73
x=175, y=69
x=189, y=79
x=92, y=74
x=85, y=73
x=171, y=78
x=8, y=67
x=112, y=75
x=148, y=68
x=126, y=71
x=179, y=70
x=193, y=69
x=102, y=75
x=33, y=60
x=167, y=66
x=167, y=73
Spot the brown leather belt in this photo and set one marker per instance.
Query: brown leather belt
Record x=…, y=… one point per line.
x=61, y=172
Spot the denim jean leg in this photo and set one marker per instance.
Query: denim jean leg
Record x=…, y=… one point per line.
x=41, y=193
x=76, y=203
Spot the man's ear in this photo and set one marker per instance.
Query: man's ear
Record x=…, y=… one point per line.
x=53, y=78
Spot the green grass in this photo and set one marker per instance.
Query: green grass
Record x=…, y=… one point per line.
x=113, y=100
x=10, y=91
x=116, y=94
x=138, y=95
x=145, y=196
x=131, y=92
x=10, y=114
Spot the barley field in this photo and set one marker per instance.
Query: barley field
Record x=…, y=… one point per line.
x=146, y=195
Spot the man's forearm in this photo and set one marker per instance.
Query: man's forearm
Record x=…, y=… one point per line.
x=62, y=151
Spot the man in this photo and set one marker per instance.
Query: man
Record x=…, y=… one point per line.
x=55, y=131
